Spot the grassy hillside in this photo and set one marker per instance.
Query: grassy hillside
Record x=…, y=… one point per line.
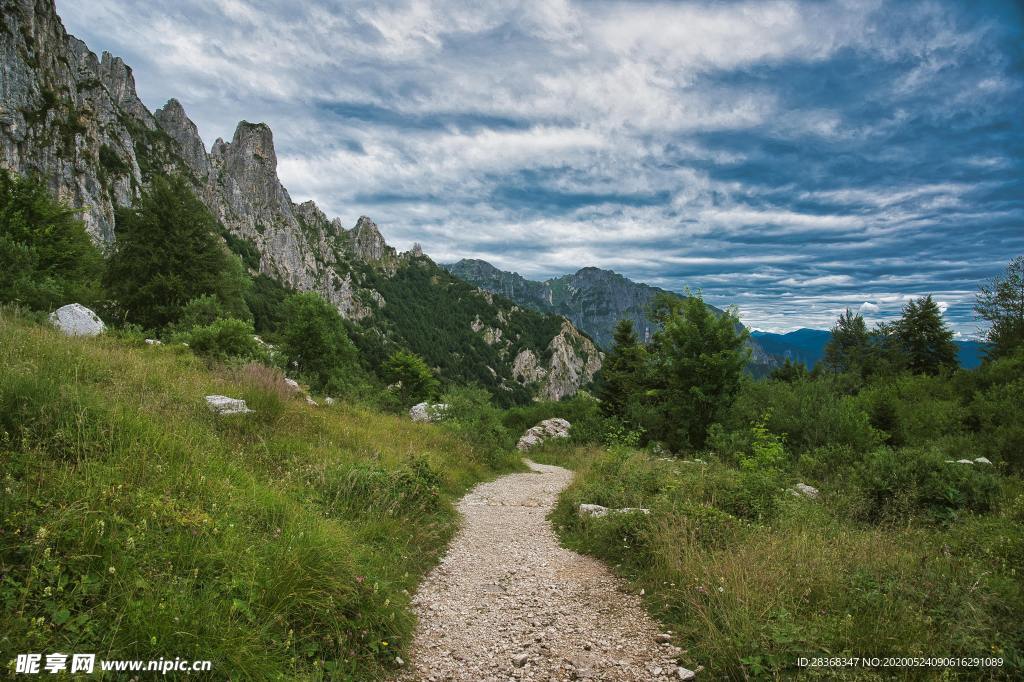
x=136, y=524
x=750, y=579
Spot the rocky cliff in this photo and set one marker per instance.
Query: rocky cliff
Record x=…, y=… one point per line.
x=76, y=120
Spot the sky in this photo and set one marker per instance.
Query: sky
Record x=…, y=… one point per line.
x=790, y=158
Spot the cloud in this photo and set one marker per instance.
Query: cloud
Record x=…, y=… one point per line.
x=868, y=308
x=796, y=158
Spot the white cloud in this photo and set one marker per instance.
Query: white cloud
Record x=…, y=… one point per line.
x=867, y=308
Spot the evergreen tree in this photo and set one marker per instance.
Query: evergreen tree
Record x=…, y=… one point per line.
x=622, y=372
x=696, y=365
x=1001, y=304
x=848, y=349
x=48, y=259
x=789, y=372
x=315, y=345
x=412, y=377
x=924, y=338
x=167, y=253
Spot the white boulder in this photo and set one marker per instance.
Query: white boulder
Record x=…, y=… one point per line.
x=75, y=319
x=804, y=490
x=982, y=460
x=329, y=401
x=555, y=427
x=223, y=405
x=964, y=461
x=427, y=412
x=293, y=385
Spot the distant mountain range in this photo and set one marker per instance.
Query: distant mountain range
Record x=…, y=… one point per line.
x=808, y=346
x=594, y=300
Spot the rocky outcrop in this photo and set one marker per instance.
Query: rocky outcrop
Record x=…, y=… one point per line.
x=544, y=431
x=75, y=319
x=598, y=511
x=574, y=360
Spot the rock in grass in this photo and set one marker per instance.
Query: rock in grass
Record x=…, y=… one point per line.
x=75, y=319
x=982, y=460
x=223, y=405
x=598, y=510
x=293, y=385
x=964, y=461
x=549, y=428
x=311, y=402
x=425, y=412
x=663, y=638
x=804, y=490
x=685, y=674
x=329, y=401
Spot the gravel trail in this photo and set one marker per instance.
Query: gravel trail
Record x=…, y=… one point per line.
x=508, y=603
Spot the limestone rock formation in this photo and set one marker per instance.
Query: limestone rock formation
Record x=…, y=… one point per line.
x=574, y=362
x=427, y=412
x=224, y=406
x=75, y=319
x=545, y=430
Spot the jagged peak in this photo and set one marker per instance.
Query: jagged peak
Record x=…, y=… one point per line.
x=365, y=223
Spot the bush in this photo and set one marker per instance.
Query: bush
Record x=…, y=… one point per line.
x=913, y=409
x=471, y=414
x=226, y=339
x=907, y=481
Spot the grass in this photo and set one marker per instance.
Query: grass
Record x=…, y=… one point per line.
x=748, y=583
x=135, y=524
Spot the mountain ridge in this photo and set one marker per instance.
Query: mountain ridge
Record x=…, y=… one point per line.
x=76, y=120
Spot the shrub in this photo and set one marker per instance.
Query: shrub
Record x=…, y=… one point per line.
x=906, y=481
x=226, y=339
x=471, y=414
x=411, y=378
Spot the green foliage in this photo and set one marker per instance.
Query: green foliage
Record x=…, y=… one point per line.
x=848, y=349
x=314, y=344
x=581, y=410
x=789, y=372
x=281, y=545
x=925, y=339
x=48, y=258
x=166, y=254
x=622, y=372
x=226, y=339
x=413, y=380
x=202, y=310
x=111, y=162
x=767, y=452
x=696, y=363
x=901, y=482
x=470, y=413
x=265, y=298
x=1001, y=304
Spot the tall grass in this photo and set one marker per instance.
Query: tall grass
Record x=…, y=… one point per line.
x=747, y=594
x=136, y=524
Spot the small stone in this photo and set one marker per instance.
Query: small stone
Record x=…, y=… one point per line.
x=982, y=460
x=964, y=461
x=154, y=342
x=223, y=405
x=685, y=674
x=399, y=662
x=293, y=385
x=663, y=638
x=519, y=660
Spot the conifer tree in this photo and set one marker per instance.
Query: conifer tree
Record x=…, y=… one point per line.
x=848, y=349
x=1001, y=304
x=924, y=338
x=622, y=372
x=167, y=253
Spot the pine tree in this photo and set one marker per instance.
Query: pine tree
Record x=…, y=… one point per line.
x=924, y=338
x=166, y=254
x=790, y=372
x=847, y=350
x=1001, y=304
x=697, y=362
x=622, y=372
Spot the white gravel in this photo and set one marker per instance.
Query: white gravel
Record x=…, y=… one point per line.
x=508, y=603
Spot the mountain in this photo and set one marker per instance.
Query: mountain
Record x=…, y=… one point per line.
x=808, y=346
x=592, y=299
x=76, y=120
x=803, y=345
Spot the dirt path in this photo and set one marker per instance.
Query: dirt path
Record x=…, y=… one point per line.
x=508, y=603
